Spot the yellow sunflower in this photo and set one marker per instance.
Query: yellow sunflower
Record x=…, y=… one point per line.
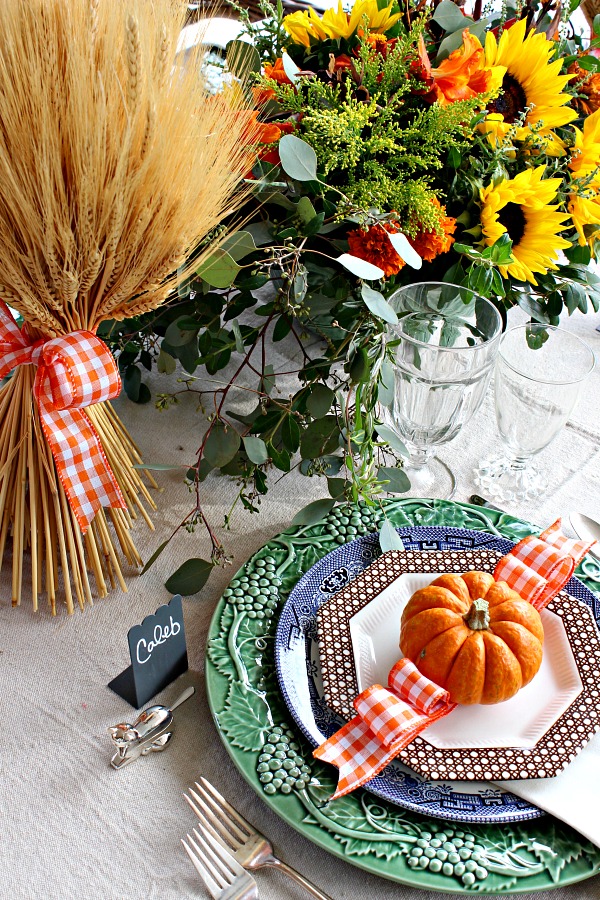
x=584, y=199
x=336, y=24
x=531, y=82
x=586, y=152
x=522, y=208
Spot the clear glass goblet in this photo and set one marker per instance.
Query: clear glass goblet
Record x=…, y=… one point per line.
x=444, y=347
x=539, y=374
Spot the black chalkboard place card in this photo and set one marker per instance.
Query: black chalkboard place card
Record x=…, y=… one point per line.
x=158, y=655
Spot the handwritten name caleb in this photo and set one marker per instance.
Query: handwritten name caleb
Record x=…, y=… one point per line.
x=161, y=635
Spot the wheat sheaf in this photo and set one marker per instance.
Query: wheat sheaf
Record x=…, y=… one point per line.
x=114, y=166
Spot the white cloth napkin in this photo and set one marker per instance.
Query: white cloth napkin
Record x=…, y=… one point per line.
x=573, y=796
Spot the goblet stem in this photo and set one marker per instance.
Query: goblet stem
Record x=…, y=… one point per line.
x=428, y=475
x=511, y=478
x=420, y=457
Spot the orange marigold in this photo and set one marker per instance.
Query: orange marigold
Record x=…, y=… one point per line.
x=374, y=246
x=430, y=244
x=588, y=88
x=380, y=44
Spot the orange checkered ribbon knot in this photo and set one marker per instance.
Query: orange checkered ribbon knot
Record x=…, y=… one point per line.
x=73, y=371
x=388, y=719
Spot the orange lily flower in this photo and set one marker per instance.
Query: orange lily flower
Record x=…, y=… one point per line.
x=464, y=75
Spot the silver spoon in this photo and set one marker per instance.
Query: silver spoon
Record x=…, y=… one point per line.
x=588, y=530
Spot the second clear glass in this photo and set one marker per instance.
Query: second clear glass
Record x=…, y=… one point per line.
x=539, y=374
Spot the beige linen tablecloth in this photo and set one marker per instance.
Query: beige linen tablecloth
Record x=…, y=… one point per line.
x=73, y=827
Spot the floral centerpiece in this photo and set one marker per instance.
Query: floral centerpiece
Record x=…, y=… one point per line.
x=398, y=144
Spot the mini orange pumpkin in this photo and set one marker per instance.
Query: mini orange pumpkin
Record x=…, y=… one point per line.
x=474, y=636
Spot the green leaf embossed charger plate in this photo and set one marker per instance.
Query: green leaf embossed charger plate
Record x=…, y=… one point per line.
x=276, y=760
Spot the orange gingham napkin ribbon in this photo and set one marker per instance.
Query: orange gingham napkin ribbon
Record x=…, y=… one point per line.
x=537, y=568
x=73, y=371
x=388, y=719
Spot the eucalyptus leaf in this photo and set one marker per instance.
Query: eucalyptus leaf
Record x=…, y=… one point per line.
x=260, y=233
x=319, y=401
x=189, y=577
x=533, y=308
x=280, y=199
x=157, y=467
x=239, y=342
x=219, y=270
x=454, y=40
x=386, y=391
x=389, y=435
x=320, y=438
x=132, y=382
x=360, y=267
x=313, y=513
x=298, y=159
x=395, y=480
x=389, y=539
x=280, y=457
x=178, y=337
x=155, y=555
x=144, y=394
x=165, y=363
x=300, y=283
x=222, y=444
x=239, y=245
x=337, y=487
x=242, y=58
x=404, y=248
x=449, y=17
x=289, y=67
x=378, y=305
x=305, y=210
x=256, y=450
x=290, y=434
x=282, y=328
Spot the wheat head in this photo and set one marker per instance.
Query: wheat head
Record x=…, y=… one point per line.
x=114, y=161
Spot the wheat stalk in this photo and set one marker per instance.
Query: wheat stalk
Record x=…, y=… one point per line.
x=114, y=166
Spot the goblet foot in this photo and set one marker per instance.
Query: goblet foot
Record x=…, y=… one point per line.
x=435, y=479
x=508, y=479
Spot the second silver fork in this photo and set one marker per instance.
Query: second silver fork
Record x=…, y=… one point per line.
x=248, y=846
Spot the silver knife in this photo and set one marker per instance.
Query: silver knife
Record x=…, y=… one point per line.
x=476, y=500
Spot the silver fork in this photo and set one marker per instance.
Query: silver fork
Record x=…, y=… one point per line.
x=222, y=875
x=249, y=847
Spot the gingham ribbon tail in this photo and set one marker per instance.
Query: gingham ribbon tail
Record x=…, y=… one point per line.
x=537, y=568
x=390, y=718
x=73, y=371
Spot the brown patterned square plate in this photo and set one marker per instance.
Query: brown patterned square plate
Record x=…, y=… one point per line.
x=533, y=735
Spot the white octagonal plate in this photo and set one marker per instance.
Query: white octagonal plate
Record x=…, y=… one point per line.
x=534, y=735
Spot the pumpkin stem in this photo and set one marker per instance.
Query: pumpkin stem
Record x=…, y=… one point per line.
x=478, y=617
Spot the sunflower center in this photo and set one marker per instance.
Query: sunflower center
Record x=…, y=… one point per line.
x=512, y=99
x=513, y=219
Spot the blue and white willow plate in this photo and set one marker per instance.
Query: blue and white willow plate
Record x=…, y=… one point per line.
x=298, y=671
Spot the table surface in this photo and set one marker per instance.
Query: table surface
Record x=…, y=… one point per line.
x=71, y=825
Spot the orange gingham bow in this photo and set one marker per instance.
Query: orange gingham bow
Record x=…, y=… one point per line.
x=73, y=371
x=390, y=718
